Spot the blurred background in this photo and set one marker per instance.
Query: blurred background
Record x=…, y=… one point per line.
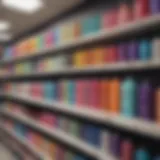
x=79, y=80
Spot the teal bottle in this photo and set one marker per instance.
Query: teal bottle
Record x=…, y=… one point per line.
x=142, y=154
x=128, y=97
x=78, y=157
x=91, y=24
x=71, y=92
x=48, y=90
x=145, y=48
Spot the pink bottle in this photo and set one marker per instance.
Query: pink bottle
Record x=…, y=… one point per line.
x=109, y=19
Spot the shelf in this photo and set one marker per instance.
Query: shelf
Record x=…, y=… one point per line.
x=23, y=142
x=12, y=146
x=72, y=71
x=61, y=136
x=135, y=27
x=134, y=125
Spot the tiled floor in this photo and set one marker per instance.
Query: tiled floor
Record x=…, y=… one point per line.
x=5, y=154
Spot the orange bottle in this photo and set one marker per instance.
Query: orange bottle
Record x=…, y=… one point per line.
x=51, y=150
x=157, y=104
x=98, y=54
x=105, y=95
x=38, y=141
x=83, y=58
x=114, y=95
x=89, y=56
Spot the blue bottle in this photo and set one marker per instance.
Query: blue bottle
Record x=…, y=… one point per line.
x=54, y=90
x=96, y=137
x=128, y=97
x=49, y=90
x=56, y=34
x=142, y=154
x=88, y=133
x=145, y=48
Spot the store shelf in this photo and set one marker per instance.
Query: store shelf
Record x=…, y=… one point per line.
x=5, y=153
x=73, y=71
x=134, y=125
x=23, y=142
x=13, y=147
x=61, y=136
x=135, y=27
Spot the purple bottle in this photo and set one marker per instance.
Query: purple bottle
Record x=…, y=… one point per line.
x=145, y=100
x=122, y=52
x=133, y=50
x=115, y=145
x=155, y=6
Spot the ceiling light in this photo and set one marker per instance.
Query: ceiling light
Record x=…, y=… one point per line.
x=4, y=25
x=28, y=6
x=5, y=37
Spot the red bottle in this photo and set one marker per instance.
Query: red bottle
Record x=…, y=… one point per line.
x=126, y=150
x=112, y=54
x=94, y=96
x=141, y=9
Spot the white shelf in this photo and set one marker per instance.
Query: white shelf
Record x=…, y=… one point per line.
x=72, y=71
x=61, y=136
x=135, y=125
x=131, y=28
x=23, y=142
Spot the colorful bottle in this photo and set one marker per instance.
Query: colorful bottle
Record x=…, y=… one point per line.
x=140, y=9
x=124, y=14
x=49, y=90
x=157, y=105
x=145, y=49
x=115, y=141
x=114, y=96
x=98, y=56
x=105, y=140
x=127, y=150
x=91, y=24
x=112, y=54
x=78, y=157
x=128, y=97
x=142, y=154
x=145, y=100
x=110, y=19
x=69, y=156
x=104, y=98
x=74, y=128
x=155, y=49
x=122, y=52
x=95, y=94
x=71, y=92
x=155, y=6
x=133, y=50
